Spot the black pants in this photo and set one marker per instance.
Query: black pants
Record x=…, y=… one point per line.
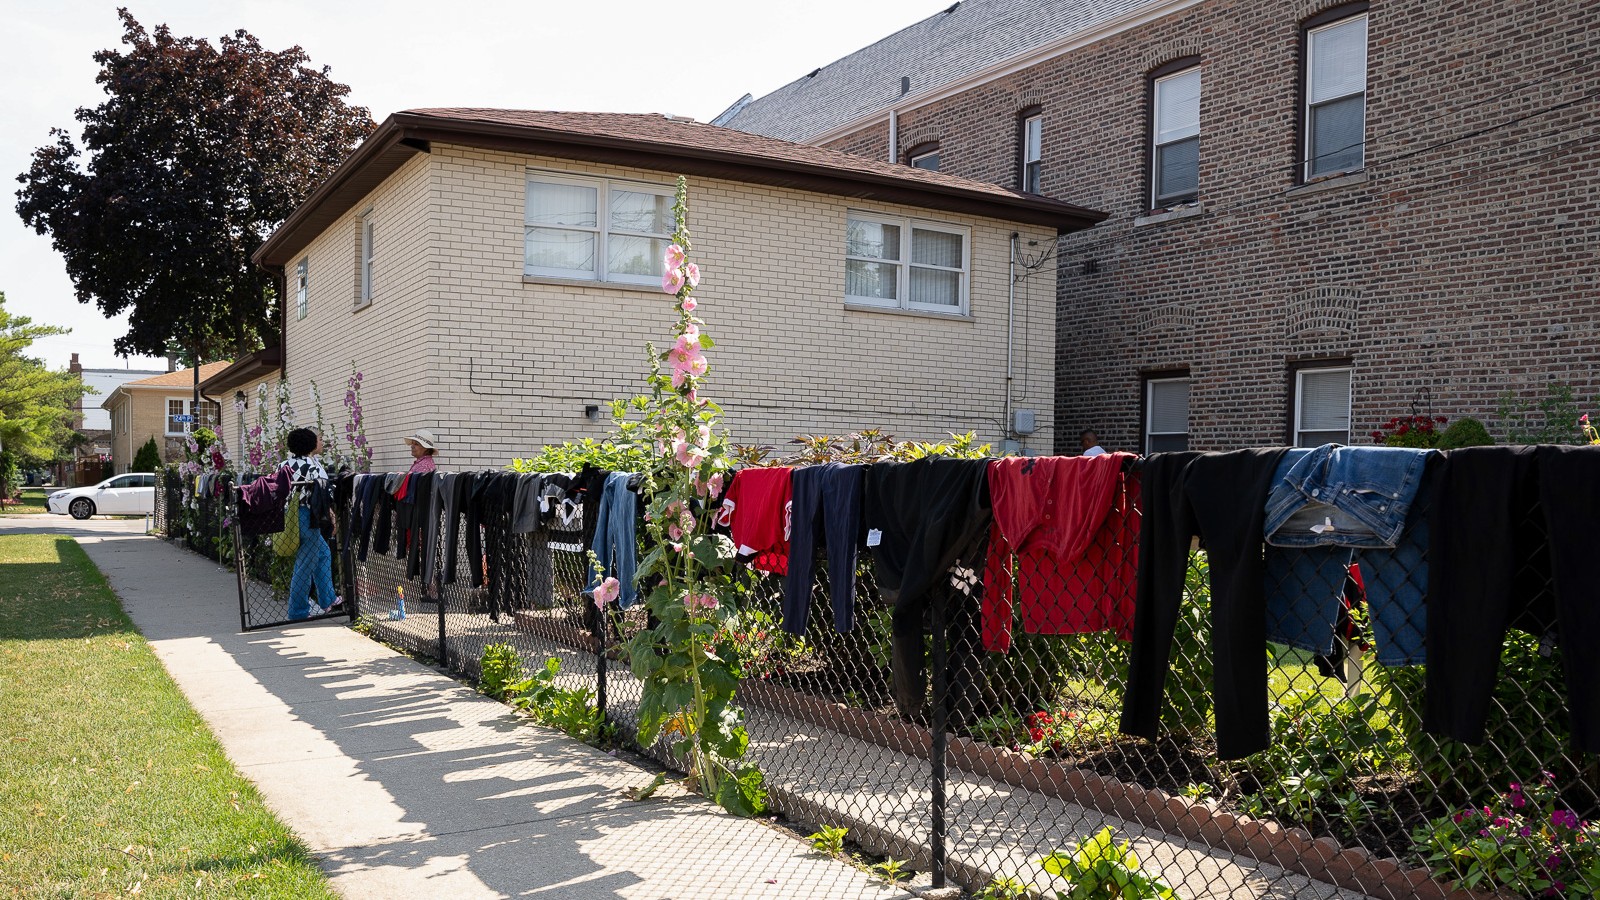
x=933, y=516
x=1220, y=498
x=1495, y=557
x=826, y=503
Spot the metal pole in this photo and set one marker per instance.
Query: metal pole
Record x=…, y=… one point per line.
x=599, y=618
x=941, y=713
x=238, y=569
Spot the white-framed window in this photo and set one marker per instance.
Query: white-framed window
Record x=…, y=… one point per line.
x=302, y=286
x=1336, y=97
x=369, y=258
x=905, y=263
x=177, y=406
x=927, y=159
x=1175, y=139
x=1032, y=152
x=1166, y=416
x=596, y=229
x=201, y=415
x=1322, y=406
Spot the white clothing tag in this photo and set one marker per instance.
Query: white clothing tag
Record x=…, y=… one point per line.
x=746, y=550
x=874, y=537
x=1326, y=526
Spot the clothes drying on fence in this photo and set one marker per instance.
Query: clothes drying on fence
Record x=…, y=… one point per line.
x=755, y=510
x=525, y=515
x=1512, y=523
x=261, y=504
x=586, y=489
x=368, y=491
x=928, y=527
x=1221, y=499
x=458, y=491
x=1330, y=506
x=415, y=508
x=826, y=504
x=493, y=495
x=616, y=539
x=1065, y=528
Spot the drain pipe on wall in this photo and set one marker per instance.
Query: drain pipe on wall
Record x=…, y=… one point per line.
x=894, y=136
x=1011, y=322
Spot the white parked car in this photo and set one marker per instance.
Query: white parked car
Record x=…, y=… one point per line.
x=122, y=495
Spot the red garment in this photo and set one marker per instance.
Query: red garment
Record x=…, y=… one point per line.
x=756, y=511
x=1067, y=530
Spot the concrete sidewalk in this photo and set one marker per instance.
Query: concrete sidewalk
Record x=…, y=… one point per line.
x=406, y=783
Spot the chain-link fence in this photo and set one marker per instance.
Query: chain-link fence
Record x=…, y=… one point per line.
x=1288, y=763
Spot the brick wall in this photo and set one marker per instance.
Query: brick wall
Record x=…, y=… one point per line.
x=498, y=366
x=1456, y=267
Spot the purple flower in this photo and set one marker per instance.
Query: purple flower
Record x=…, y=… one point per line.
x=1564, y=818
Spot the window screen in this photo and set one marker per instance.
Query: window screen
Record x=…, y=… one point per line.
x=1167, y=415
x=1323, y=401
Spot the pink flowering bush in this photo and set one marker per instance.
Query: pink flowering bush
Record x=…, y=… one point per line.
x=688, y=667
x=1526, y=841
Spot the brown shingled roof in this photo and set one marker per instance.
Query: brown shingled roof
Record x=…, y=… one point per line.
x=654, y=142
x=180, y=378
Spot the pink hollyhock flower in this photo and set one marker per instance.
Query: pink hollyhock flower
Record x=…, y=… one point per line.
x=674, y=532
x=714, y=485
x=686, y=521
x=672, y=281
x=703, y=436
x=689, y=304
x=687, y=454
x=700, y=601
x=608, y=592
x=694, y=275
x=675, y=257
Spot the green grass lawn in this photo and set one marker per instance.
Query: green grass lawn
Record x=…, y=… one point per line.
x=32, y=502
x=110, y=783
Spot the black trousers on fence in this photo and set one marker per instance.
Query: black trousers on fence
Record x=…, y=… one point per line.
x=1500, y=561
x=827, y=504
x=931, y=519
x=1220, y=498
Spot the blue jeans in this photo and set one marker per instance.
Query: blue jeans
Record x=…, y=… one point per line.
x=313, y=563
x=616, y=542
x=1377, y=502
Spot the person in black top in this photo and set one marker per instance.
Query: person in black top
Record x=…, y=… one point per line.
x=313, y=562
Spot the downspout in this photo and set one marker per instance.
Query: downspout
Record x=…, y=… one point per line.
x=1011, y=322
x=894, y=136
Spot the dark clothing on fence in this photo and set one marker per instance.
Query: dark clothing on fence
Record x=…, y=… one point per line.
x=928, y=525
x=261, y=503
x=587, y=487
x=827, y=504
x=458, y=489
x=616, y=543
x=1220, y=498
x=1492, y=567
x=371, y=488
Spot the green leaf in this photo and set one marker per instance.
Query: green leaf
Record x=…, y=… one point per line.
x=706, y=343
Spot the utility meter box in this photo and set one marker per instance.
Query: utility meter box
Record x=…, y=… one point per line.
x=1023, y=421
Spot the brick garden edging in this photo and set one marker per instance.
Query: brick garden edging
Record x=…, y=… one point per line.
x=1294, y=849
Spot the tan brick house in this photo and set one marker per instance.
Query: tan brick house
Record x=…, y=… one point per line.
x=149, y=407
x=495, y=275
x=1321, y=213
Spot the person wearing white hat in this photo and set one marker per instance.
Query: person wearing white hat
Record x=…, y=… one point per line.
x=423, y=449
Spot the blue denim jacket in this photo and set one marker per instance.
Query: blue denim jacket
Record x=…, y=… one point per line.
x=1363, y=493
x=1370, y=498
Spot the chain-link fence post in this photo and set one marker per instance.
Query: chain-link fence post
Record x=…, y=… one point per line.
x=940, y=722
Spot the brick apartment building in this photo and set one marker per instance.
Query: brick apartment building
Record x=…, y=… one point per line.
x=1322, y=214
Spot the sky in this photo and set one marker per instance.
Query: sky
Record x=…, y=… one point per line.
x=693, y=57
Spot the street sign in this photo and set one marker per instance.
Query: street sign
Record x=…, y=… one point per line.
x=183, y=418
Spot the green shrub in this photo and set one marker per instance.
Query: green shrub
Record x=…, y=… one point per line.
x=1465, y=432
x=1320, y=751
x=1553, y=419
x=570, y=709
x=828, y=839
x=148, y=459
x=499, y=666
x=1100, y=869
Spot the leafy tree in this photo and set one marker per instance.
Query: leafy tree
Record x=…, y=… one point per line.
x=196, y=155
x=148, y=459
x=36, y=404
